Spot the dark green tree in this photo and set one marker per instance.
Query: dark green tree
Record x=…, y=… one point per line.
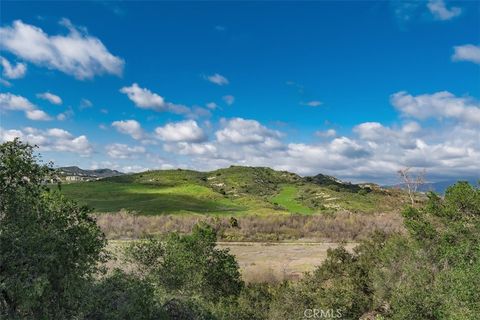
x=50, y=247
x=122, y=296
x=189, y=265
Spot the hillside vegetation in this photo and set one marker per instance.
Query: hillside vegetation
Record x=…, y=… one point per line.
x=239, y=190
x=53, y=258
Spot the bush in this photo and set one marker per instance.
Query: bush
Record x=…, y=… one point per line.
x=123, y=296
x=189, y=264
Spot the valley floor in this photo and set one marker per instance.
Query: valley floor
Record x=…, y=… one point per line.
x=259, y=261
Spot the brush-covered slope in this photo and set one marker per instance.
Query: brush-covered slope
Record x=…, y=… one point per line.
x=233, y=190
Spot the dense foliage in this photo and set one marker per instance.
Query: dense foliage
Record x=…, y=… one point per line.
x=51, y=250
x=189, y=265
x=50, y=247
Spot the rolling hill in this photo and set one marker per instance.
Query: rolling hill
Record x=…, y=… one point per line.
x=233, y=190
x=97, y=173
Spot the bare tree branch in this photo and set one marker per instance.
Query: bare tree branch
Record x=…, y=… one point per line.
x=412, y=181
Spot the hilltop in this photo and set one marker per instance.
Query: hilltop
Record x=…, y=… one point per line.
x=233, y=190
x=82, y=174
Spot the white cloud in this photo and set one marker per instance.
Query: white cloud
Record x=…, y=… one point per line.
x=37, y=115
x=326, y=133
x=468, y=52
x=187, y=148
x=146, y=99
x=437, y=105
x=198, y=112
x=374, y=152
x=123, y=151
x=217, y=79
x=59, y=133
x=183, y=131
x=371, y=131
x=348, y=148
x=439, y=10
x=77, y=53
x=10, y=101
x=241, y=131
x=229, y=99
x=53, y=139
x=66, y=114
x=130, y=127
x=50, y=97
x=135, y=168
x=13, y=72
x=212, y=105
x=313, y=103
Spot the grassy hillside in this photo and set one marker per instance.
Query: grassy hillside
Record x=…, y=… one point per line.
x=234, y=190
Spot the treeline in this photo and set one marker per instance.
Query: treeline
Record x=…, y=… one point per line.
x=52, y=264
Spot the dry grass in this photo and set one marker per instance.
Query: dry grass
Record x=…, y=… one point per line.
x=267, y=262
x=341, y=226
x=258, y=261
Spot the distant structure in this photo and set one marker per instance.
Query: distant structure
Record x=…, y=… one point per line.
x=75, y=174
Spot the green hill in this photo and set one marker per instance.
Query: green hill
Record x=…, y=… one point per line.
x=233, y=190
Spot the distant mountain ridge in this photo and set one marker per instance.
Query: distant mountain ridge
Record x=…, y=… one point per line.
x=97, y=173
x=439, y=186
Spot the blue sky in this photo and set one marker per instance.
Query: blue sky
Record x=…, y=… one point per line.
x=353, y=89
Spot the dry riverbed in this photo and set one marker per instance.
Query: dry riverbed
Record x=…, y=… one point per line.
x=262, y=261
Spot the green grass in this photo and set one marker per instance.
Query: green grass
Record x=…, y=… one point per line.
x=234, y=190
x=104, y=196
x=287, y=198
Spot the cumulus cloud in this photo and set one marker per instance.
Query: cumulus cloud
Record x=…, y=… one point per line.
x=54, y=139
x=217, y=79
x=439, y=10
x=348, y=148
x=438, y=105
x=76, y=53
x=326, y=133
x=50, y=97
x=130, y=127
x=229, y=99
x=241, y=131
x=468, y=52
x=373, y=152
x=37, y=115
x=13, y=71
x=13, y=102
x=188, y=148
x=183, y=131
x=123, y=151
x=146, y=99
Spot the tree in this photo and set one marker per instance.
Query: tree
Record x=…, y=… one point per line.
x=123, y=296
x=411, y=181
x=50, y=247
x=189, y=264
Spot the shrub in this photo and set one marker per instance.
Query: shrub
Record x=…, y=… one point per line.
x=123, y=296
x=189, y=264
